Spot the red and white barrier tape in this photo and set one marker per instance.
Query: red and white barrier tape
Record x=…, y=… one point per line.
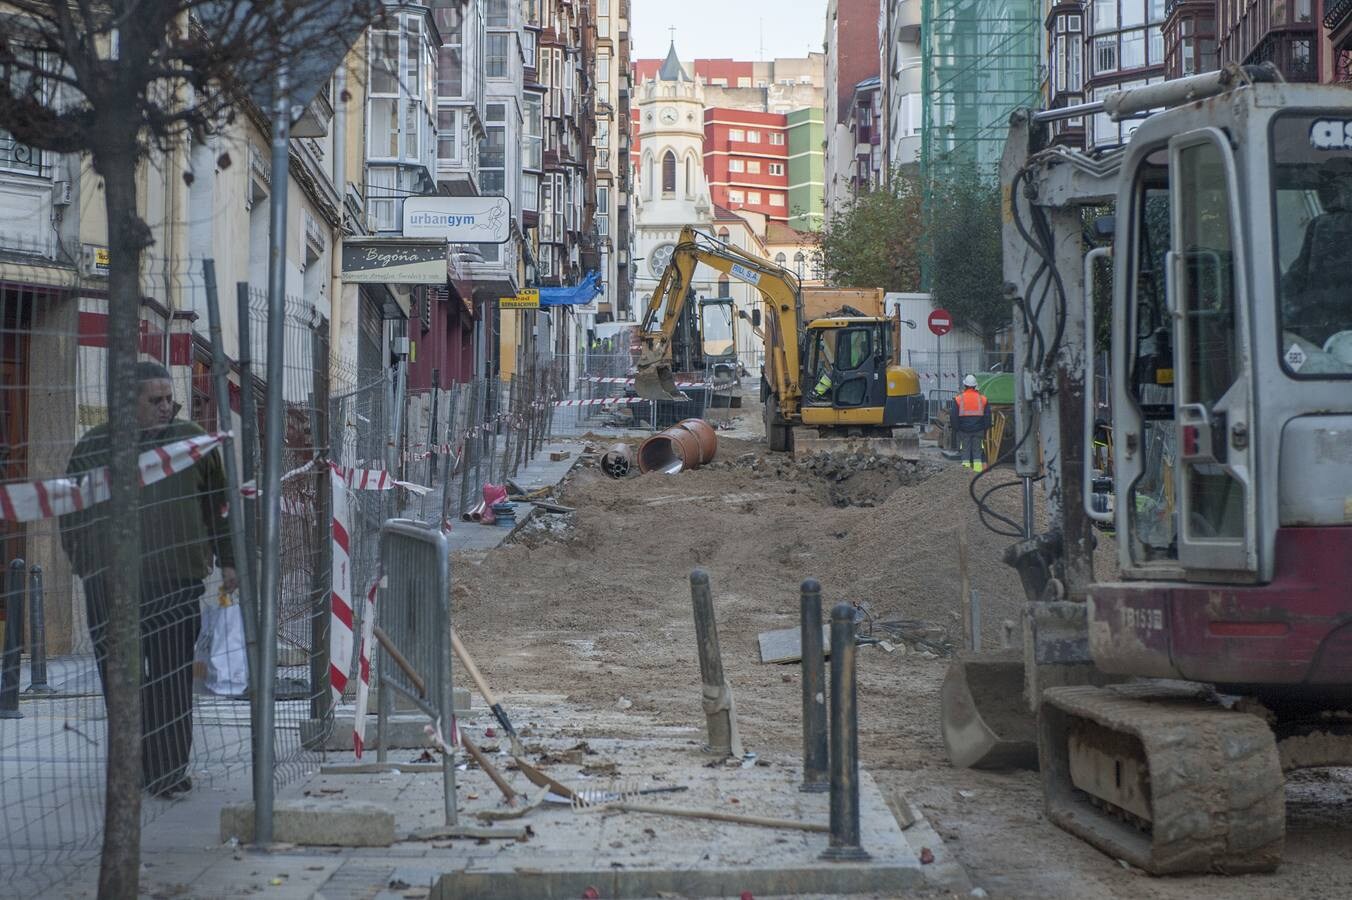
x=53, y=497
x=612, y=380
x=603, y=401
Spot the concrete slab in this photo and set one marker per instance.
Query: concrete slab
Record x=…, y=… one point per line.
x=339, y=822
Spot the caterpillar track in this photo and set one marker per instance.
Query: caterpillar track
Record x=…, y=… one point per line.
x=1172, y=785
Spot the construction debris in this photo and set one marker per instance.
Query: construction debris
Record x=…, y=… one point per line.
x=617, y=461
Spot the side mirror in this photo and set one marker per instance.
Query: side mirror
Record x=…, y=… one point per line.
x=756, y=317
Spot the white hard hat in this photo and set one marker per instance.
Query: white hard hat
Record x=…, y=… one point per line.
x=969, y=381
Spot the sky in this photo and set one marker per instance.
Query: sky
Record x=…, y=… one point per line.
x=727, y=28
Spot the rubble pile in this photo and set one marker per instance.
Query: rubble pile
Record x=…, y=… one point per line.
x=857, y=478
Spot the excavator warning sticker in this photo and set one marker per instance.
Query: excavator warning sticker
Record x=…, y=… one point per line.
x=750, y=276
x=1331, y=134
x=1296, y=357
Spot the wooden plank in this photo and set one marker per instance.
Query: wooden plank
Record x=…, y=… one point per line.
x=378, y=768
x=785, y=645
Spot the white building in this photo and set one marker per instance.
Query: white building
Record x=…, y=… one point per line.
x=900, y=70
x=672, y=190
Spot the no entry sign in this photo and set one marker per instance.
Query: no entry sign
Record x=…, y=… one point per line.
x=940, y=322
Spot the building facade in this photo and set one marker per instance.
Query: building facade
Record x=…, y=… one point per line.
x=746, y=158
x=899, y=71
x=614, y=227
x=851, y=58
x=807, y=153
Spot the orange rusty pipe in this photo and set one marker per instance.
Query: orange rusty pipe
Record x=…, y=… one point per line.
x=686, y=445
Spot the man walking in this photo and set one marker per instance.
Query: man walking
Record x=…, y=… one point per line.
x=972, y=418
x=184, y=525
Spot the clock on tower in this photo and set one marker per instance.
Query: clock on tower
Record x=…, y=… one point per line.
x=669, y=116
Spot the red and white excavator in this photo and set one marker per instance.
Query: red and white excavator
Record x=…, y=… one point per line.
x=1167, y=703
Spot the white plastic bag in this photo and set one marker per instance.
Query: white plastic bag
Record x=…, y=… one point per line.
x=227, y=664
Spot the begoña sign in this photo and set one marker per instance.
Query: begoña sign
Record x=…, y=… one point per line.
x=460, y=220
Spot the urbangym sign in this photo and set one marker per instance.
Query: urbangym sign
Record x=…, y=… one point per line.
x=368, y=261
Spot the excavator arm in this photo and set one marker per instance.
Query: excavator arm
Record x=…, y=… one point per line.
x=778, y=289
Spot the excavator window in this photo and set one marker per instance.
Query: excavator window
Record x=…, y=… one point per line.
x=1151, y=367
x=853, y=348
x=1312, y=206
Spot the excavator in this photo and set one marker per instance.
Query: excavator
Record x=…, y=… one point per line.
x=827, y=384
x=1164, y=704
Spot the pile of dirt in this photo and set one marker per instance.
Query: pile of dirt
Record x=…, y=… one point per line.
x=842, y=479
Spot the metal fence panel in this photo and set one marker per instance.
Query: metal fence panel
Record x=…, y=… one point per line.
x=414, y=612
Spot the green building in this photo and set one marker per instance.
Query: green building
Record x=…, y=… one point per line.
x=807, y=160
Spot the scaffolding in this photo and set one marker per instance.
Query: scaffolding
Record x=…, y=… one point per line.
x=982, y=60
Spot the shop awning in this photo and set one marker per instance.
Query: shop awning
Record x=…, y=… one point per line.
x=579, y=295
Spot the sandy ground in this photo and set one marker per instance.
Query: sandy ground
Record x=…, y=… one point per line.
x=598, y=605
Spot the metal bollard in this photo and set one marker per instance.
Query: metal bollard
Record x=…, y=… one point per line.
x=13, y=649
x=37, y=650
x=816, y=759
x=718, y=709
x=844, y=844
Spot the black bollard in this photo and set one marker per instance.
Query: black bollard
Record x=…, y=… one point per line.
x=816, y=760
x=844, y=844
x=37, y=649
x=13, y=649
x=718, y=709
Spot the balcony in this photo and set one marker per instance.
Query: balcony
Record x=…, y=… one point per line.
x=1336, y=14
x=907, y=21
x=21, y=158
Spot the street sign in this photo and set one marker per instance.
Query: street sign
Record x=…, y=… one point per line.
x=940, y=322
x=527, y=298
x=460, y=220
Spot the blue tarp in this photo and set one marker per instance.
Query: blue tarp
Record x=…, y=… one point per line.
x=578, y=295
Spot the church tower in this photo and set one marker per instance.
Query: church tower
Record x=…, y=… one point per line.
x=672, y=191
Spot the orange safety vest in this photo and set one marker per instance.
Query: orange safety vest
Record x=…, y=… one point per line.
x=971, y=403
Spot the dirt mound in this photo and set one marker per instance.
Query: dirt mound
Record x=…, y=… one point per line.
x=841, y=479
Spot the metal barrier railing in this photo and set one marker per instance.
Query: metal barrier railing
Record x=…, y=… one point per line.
x=414, y=615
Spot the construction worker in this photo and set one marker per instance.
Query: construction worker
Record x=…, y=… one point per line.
x=825, y=360
x=972, y=415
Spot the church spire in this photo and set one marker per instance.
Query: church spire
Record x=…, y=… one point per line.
x=672, y=70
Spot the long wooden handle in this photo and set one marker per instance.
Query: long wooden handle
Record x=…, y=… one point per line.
x=468, y=662
x=717, y=815
x=401, y=661
x=488, y=767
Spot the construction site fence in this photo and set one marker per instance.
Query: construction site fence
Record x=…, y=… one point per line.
x=415, y=619
x=57, y=527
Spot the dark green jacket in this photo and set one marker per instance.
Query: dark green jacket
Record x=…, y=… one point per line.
x=184, y=518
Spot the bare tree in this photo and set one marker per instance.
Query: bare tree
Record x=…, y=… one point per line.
x=112, y=80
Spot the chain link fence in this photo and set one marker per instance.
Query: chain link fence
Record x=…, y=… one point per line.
x=57, y=526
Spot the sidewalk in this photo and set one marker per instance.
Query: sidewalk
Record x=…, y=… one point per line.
x=52, y=760
x=554, y=850
x=541, y=472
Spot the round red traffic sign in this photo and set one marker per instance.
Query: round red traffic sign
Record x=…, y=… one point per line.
x=940, y=322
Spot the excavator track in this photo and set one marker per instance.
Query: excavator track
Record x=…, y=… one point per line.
x=1168, y=783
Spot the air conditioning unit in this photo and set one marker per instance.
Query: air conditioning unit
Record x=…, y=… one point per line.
x=63, y=194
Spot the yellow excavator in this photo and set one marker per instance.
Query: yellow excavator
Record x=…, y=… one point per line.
x=832, y=383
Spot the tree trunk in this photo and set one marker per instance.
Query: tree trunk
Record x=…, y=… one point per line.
x=128, y=236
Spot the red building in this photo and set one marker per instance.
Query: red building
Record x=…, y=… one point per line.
x=718, y=72
x=746, y=161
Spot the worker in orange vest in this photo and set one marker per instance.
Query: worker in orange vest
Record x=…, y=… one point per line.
x=972, y=415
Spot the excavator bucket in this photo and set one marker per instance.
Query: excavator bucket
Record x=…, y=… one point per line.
x=654, y=381
x=904, y=443
x=986, y=722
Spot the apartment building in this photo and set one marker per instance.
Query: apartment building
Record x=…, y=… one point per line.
x=851, y=58
x=900, y=69
x=614, y=225
x=746, y=161
x=781, y=85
